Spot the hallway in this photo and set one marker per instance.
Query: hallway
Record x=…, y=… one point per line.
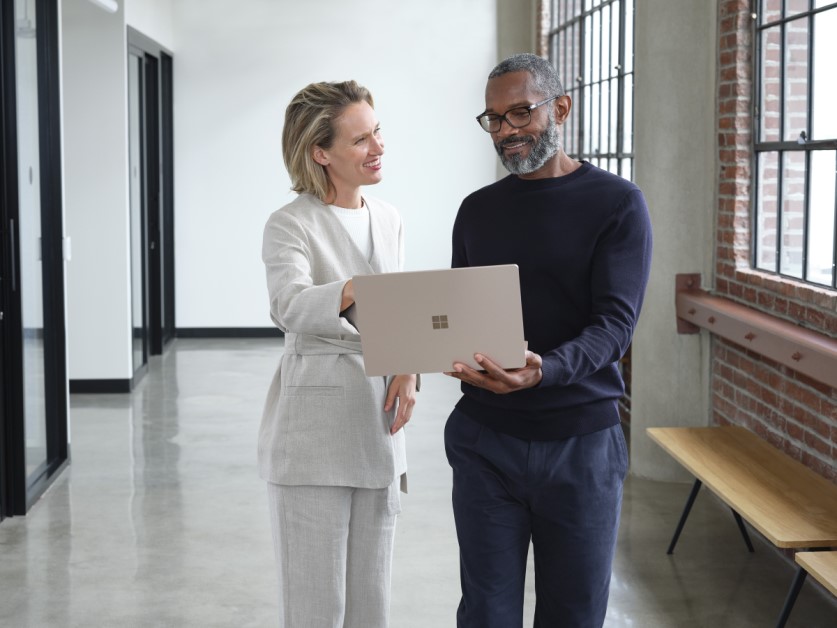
x=161, y=521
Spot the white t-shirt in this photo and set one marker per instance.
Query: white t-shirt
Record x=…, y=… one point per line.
x=357, y=224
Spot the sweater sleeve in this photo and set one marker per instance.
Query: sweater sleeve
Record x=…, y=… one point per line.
x=619, y=274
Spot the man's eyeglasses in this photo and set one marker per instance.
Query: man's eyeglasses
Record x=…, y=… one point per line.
x=515, y=118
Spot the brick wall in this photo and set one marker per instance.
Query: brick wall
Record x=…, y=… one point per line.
x=790, y=410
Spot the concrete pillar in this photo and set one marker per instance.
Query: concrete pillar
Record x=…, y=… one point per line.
x=675, y=149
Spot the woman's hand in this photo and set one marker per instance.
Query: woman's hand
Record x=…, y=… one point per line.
x=348, y=297
x=403, y=388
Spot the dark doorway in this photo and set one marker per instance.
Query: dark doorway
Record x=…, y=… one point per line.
x=152, y=194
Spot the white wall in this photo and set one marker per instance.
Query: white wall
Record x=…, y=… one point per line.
x=153, y=18
x=96, y=191
x=236, y=67
x=676, y=168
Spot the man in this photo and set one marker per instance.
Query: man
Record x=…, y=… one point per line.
x=538, y=452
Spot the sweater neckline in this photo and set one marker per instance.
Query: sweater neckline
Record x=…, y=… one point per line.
x=548, y=182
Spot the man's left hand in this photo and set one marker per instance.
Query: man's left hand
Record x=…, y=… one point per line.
x=496, y=378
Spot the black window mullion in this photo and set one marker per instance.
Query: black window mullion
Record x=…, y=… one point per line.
x=620, y=86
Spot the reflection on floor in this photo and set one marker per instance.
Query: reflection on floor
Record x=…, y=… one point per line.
x=161, y=521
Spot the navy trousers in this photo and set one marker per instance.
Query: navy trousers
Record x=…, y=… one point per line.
x=564, y=496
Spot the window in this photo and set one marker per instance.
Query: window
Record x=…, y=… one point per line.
x=591, y=43
x=795, y=140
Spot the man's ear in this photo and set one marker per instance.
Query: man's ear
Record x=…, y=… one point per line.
x=562, y=104
x=320, y=156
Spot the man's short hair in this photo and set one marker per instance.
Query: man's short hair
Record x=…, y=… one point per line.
x=547, y=81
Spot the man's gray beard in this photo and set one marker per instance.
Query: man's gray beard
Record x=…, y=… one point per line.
x=543, y=149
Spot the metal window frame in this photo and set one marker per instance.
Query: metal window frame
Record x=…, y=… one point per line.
x=783, y=147
x=566, y=23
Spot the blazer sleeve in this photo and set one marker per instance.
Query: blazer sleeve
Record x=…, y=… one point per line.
x=296, y=304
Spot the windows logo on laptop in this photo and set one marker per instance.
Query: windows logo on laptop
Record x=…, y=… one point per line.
x=440, y=322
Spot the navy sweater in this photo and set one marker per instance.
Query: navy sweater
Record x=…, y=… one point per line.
x=583, y=245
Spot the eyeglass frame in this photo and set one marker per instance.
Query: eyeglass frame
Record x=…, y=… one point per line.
x=502, y=118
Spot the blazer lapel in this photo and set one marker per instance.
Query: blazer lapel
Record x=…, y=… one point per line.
x=356, y=261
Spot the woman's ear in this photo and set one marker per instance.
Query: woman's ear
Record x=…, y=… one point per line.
x=320, y=156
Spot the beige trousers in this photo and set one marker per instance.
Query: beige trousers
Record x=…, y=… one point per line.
x=334, y=554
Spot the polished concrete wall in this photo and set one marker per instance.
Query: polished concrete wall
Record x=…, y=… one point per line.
x=674, y=105
x=515, y=34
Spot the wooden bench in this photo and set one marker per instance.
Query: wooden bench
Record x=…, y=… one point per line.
x=823, y=568
x=784, y=500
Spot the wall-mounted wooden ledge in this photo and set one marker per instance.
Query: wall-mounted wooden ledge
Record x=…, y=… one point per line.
x=803, y=350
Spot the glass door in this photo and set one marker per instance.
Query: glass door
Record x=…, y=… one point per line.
x=34, y=443
x=29, y=236
x=136, y=150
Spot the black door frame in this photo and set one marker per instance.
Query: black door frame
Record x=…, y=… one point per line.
x=20, y=491
x=157, y=186
x=8, y=190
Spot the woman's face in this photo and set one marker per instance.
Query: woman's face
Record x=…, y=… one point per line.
x=355, y=157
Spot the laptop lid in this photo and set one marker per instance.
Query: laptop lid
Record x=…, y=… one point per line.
x=424, y=321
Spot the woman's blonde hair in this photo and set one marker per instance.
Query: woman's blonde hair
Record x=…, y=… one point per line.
x=310, y=122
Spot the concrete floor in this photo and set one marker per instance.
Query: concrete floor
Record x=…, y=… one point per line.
x=161, y=521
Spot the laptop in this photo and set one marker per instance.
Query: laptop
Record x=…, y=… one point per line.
x=424, y=321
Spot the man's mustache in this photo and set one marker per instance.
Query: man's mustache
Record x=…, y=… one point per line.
x=517, y=139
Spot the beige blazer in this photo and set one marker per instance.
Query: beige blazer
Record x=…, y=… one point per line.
x=324, y=422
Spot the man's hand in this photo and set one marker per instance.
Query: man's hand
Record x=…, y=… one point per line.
x=403, y=388
x=496, y=378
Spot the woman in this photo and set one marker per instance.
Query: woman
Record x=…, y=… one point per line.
x=331, y=447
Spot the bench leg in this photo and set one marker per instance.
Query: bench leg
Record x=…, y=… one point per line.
x=684, y=516
x=796, y=586
x=743, y=529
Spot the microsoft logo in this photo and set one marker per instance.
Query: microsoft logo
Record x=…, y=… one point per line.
x=440, y=322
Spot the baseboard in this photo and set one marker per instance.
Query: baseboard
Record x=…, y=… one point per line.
x=228, y=332
x=98, y=386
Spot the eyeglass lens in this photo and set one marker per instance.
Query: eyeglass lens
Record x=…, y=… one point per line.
x=515, y=118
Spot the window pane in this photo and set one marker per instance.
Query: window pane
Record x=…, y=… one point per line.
x=794, y=7
x=571, y=52
x=824, y=88
x=588, y=37
x=29, y=239
x=793, y=213
x=771, y=76
x=614, y=40
x=629, y=35
x=586, y=129
x=821, y=213
x=595, y=47
x=607, y=62
x=595, y=109
x=627, y=169
x=796, y=78
x=771, y=10
x=614, y=115
x=766, y=210
x=628, y=139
